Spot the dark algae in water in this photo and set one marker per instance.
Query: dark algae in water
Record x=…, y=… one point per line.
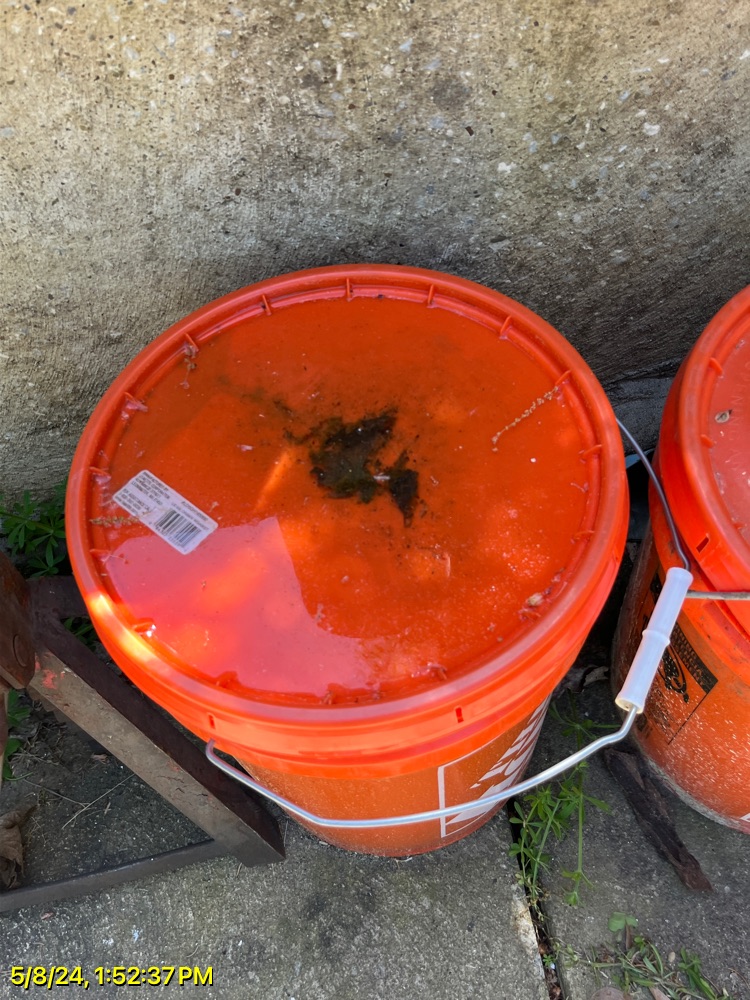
x=403, y=483
x=344, y=455
x=346, y=463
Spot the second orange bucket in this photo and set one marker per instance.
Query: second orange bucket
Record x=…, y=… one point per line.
x=353, y=524
x=695, y=730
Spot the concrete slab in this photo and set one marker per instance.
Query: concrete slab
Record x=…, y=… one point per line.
x=629, y=877
x=324, y=924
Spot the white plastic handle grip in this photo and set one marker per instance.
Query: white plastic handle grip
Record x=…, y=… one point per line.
x=655, y=640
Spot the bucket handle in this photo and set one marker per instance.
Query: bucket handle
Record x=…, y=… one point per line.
x=632, y=699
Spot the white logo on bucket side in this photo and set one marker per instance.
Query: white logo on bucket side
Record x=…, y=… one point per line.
x=510, y=766
x=168, y=514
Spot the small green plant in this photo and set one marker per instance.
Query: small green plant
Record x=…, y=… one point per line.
x=621, y=922
x=34, y=532
x=17, y=713
x=635, y=963
x=551, y=811
x=82, y=629
x=690, y=967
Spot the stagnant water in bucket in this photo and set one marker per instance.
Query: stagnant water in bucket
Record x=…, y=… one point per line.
x=392, y=505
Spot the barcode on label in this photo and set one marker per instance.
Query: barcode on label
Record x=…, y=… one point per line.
x=166, y=512
x=177, y=528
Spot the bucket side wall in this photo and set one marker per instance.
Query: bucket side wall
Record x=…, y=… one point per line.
x=697, y=718
x=463, y=772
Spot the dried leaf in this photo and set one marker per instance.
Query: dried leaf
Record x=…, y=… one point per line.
x=11, y=846
x=580, y=677
x=101, y=758
x=657, y=994
x=610, y=993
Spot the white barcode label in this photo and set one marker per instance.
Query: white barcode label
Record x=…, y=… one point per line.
x=165, y=511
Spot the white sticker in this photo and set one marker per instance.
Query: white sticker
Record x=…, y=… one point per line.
x=168, y=514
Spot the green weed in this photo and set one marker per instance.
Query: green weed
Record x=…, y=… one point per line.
x=34, y=532
x=83, y=630
x=17, y=712
x=550, y=812
x=636, y=964
x=621, y=922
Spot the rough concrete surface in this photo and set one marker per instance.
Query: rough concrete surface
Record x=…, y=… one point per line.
x=91, y=811
x=328, y=924
x=629, y=877
x=323, y=924
x=590, y=159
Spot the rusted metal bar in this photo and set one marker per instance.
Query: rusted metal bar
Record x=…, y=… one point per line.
x=16, y=642
x=37, y=652
x=108, y=878
x=16, y=639
x=109, y=708
x=56, y=597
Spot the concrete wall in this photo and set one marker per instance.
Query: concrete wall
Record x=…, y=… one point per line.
x=589, y=158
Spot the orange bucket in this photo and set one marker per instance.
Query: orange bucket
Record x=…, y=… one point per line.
x=695, y=730
x=353, y=525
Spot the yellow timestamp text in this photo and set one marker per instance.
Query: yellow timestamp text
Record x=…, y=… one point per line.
x=50, y=976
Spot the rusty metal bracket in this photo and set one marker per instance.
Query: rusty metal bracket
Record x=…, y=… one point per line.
x=16, y=642
x=39, y=653
x=108, y=878
x=16, y=639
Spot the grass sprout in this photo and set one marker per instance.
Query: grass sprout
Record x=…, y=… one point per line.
x=549, y=813
x=634, y=963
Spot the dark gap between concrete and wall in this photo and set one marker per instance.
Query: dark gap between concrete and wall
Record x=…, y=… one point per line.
x=539, y=921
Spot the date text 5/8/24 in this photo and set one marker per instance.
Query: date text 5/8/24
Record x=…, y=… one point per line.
x=48, y=976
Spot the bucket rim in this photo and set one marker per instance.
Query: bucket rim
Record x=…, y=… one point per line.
x=691, y=433
x=594, y=574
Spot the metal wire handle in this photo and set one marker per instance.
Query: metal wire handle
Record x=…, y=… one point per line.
x=700, y=595
x=478, y=806
x=719, y=595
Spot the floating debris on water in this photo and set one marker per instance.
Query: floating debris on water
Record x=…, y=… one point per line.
x=539, y=401
x=345, y=461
